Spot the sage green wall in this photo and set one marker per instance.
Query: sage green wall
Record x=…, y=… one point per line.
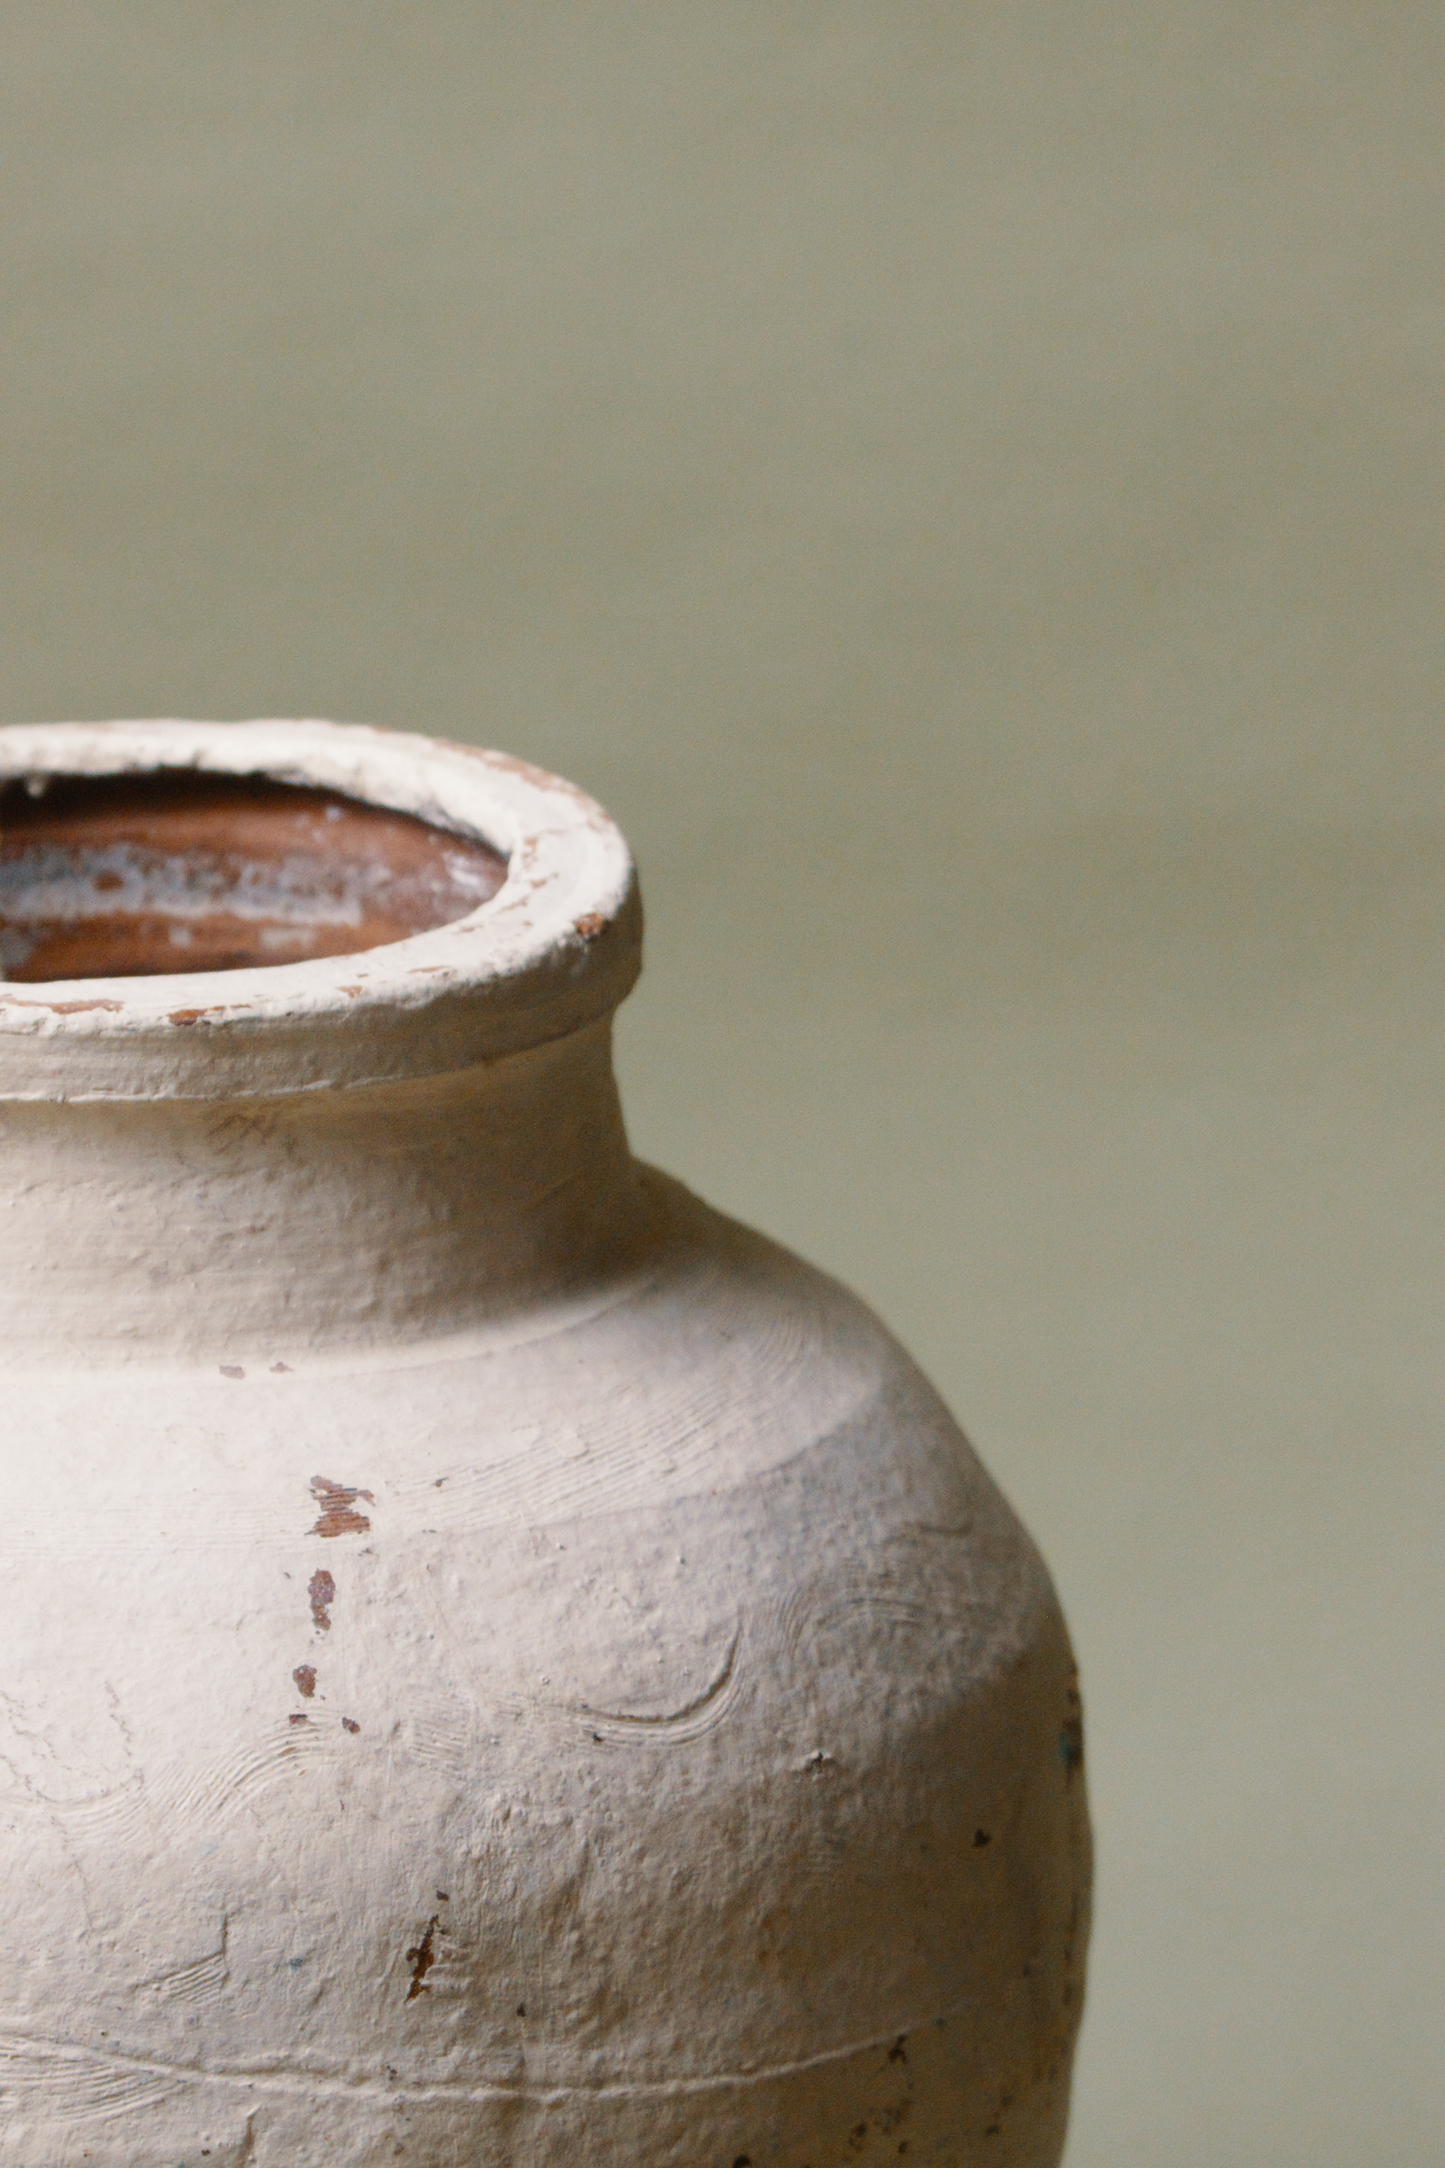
x=963, y=483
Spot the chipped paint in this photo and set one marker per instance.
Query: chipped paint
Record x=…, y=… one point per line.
x=322, y=1593
x=422, y=1958
x=338, y=1516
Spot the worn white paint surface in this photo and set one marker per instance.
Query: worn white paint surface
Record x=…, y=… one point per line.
x=502, y=1665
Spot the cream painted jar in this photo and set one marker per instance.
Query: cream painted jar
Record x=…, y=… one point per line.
x=502, y=1665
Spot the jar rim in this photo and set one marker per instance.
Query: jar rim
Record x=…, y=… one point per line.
x=557, y=946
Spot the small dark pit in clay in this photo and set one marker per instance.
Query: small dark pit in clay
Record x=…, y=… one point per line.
x=128, y=876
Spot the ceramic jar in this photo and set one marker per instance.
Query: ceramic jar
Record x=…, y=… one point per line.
x=502, y=1665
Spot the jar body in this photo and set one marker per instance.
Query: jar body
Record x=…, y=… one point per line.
x=633, y=1730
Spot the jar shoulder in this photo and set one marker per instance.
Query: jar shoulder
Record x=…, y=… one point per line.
x=709, y=1357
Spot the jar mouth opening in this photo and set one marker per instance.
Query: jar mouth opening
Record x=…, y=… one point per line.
x=442, y=906
x=168, y=870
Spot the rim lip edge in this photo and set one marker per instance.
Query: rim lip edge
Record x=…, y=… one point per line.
x=556, y=946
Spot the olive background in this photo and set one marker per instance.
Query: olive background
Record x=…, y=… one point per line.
x=963, y=484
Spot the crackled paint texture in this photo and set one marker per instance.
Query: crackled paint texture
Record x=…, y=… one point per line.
x=503, y=1665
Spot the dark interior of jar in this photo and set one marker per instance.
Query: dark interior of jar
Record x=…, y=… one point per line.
x=125, y=876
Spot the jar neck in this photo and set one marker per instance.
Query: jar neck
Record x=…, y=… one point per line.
x=263, y=1230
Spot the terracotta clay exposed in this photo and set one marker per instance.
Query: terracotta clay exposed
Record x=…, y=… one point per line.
x=123, y=876
x=504, y=1666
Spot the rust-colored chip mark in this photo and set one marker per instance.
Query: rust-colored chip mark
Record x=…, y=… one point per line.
x=338, y=1508
x=421, y=1960
x=322, y=1592
x=305, y=1677
x=187, y=1016
x=1071, y=1734
x=349, y=1723
x=590, y=925
x=298, y=1716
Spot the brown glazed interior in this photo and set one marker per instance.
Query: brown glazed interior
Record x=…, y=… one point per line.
x=128, y=876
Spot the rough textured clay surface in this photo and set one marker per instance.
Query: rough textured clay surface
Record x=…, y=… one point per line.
x=504, y=1666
